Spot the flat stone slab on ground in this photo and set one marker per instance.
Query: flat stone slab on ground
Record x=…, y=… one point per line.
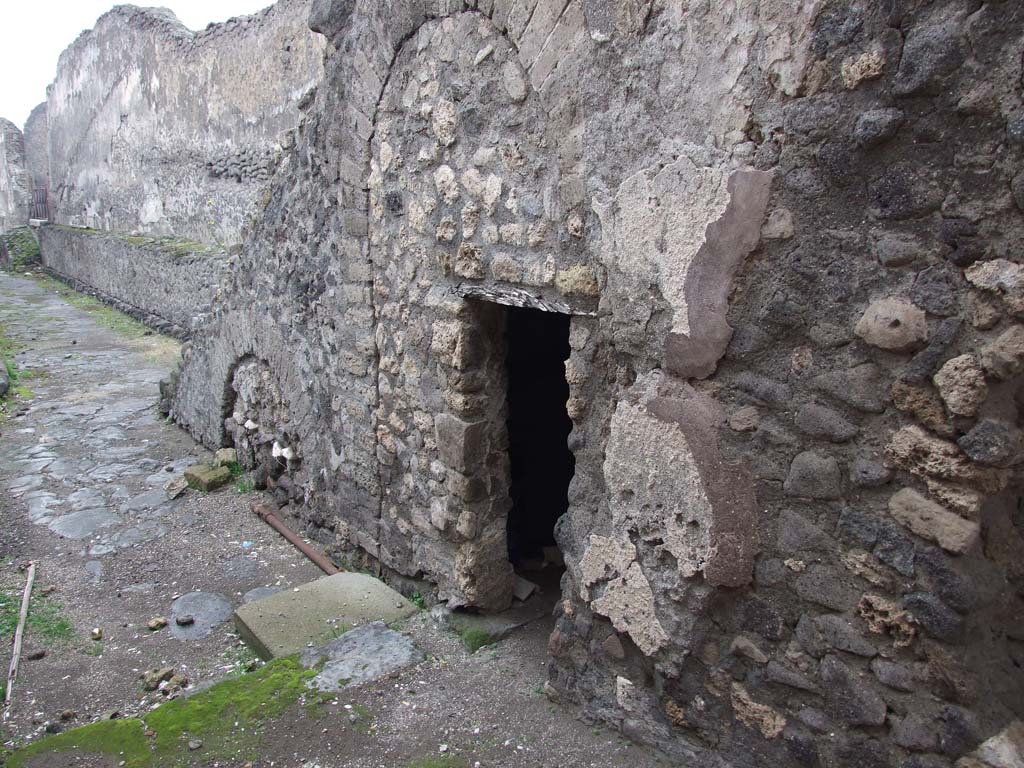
x=83, y=524
x=259, y=593
x=207, y=609
x=286, y=623
x=364, y=653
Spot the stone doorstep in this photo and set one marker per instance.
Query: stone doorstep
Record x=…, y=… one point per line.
x=501, y=625
x=289, y=621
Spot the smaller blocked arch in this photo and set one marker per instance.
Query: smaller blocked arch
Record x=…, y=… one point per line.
x=259, y=426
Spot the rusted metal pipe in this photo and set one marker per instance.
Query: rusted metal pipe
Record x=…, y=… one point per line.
x=265, y=512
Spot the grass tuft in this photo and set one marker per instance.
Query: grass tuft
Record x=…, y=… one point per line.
x=169, y=245
x=474, y=639
x=106, y=316
x=46, y=619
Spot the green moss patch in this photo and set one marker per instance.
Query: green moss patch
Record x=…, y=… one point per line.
x=172, y=246
x=227, y=718
x=22, y=247
x=474, y=639
x=106, y=316
x=18, y=389
x=124, y=739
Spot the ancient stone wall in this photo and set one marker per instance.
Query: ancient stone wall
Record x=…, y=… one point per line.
x=15, y=189
x=37, y=152
x=787, y=234
x=166, y=283
x=156, y=129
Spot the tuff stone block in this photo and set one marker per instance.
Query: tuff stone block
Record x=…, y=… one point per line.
x=460, y=443
x=932, y=522
x=894, y=325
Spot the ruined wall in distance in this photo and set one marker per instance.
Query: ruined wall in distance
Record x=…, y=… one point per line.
x=156, y=129
x=15, y=189
x=37, y=151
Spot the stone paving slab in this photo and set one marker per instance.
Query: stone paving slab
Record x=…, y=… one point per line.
x=289, y=621
x=366, y=653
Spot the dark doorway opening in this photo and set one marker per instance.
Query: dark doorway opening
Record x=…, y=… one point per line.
x=542, y=465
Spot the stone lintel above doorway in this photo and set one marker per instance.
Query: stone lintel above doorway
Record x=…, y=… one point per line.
x=518, y=297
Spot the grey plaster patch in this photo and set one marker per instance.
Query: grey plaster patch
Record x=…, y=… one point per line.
x=83, y=524
x=207, y=609
x=362, y=654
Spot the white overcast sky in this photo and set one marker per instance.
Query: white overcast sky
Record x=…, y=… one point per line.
x=33, y=33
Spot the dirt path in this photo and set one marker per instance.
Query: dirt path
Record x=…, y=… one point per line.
x=82, y=472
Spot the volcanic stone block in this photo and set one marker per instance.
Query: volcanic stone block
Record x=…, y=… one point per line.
x=1004, y=356
x=286, y=622
x=897, y=676
x=893, y=324
x=961, y=382
x=938, y=620
x=819, y=421
x=826, y=586
x=850, y=697
x=814, y=476
x=877, y=126
x=992, y=442
x=932, y=521
x=860, y=387
x=460, y=443
x=842, y=635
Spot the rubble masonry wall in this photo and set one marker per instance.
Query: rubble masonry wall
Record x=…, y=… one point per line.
x=788, y=234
